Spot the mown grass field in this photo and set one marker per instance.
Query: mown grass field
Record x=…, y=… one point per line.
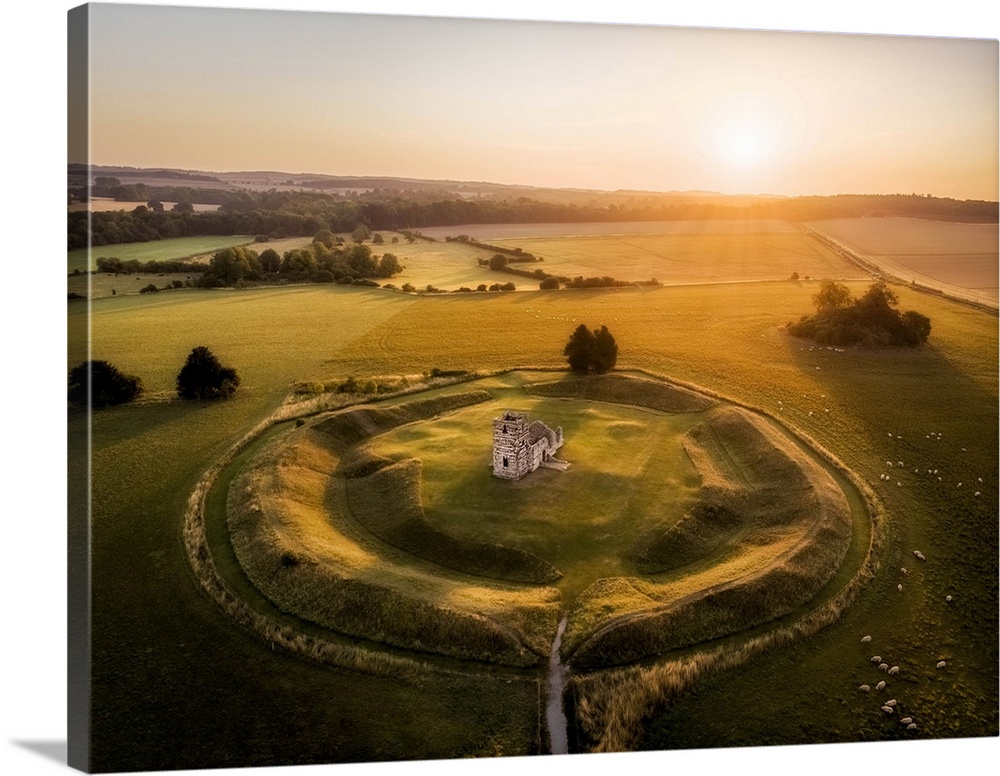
x=176, y=248
x=685, y=258
x=445, y=265
x=554, y=515
x=166, y=658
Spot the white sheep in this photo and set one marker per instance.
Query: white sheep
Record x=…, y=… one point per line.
x=891, y=703
x=977, y=494
x=876, y=658
x=887, y=709
x=941, y=664
x=899, y=588
x=880, y=686
x=947, y=598
x=903, y=570
x=906, y=720
x=865, y=639
x=894, y=670
x=912, y=726
x=883, y=666
x=864, y=688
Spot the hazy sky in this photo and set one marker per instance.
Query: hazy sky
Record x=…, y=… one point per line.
x=545, y=104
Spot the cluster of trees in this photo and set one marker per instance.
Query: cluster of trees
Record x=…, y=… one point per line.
x=591, y=352
x=101, y=384
x=322, y=262
x=872, y=319
x=325, y=261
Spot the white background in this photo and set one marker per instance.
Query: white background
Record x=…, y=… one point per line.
x=32, y=510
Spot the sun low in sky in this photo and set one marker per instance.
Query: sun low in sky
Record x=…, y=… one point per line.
x=543, y=103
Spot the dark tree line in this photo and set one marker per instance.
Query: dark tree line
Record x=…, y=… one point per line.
x=872, y=319
x=277, y=213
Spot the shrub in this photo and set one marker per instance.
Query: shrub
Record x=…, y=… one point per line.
x=204, y=377
x=150, y=289
x=548, y=283
x=108, y=386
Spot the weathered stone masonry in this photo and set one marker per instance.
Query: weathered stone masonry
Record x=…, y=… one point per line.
x=520, y=446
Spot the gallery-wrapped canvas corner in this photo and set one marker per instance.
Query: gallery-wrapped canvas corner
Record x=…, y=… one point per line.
x=445, y=388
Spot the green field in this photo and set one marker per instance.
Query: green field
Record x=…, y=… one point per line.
x=160, y=250
x=175, y=658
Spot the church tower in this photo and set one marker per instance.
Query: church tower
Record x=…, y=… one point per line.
x=511, y=454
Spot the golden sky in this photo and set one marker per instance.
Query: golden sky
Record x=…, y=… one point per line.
x=543, y=103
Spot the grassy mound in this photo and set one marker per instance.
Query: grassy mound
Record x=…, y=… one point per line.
x=770, y=531
x=387, y=503
x=620, y=389
x=292, y=534
x=702, y=532
x=355, y=425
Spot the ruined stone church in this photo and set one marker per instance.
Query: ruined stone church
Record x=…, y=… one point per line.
x=520, y=446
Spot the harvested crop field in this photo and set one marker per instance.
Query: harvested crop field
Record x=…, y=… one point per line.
x=935, y=253
x=686, y=258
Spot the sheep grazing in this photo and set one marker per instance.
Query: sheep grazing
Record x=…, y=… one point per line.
x=894, y=670
x=906, y=720
x=880, y=686
x=865, y=639
x=883, y=666
x=941, y=664
x=887, y=709
x=899, y=588
x=903, y=570
x=891, y=703
x=876, y=658
x=977, y=494
x=947, y=599
x=912, y=726
x=864, y=688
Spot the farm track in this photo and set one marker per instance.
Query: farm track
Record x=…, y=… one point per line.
x=882, y=265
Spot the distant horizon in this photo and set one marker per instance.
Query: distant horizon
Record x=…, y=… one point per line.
x=702, y=192
x=544, y=104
